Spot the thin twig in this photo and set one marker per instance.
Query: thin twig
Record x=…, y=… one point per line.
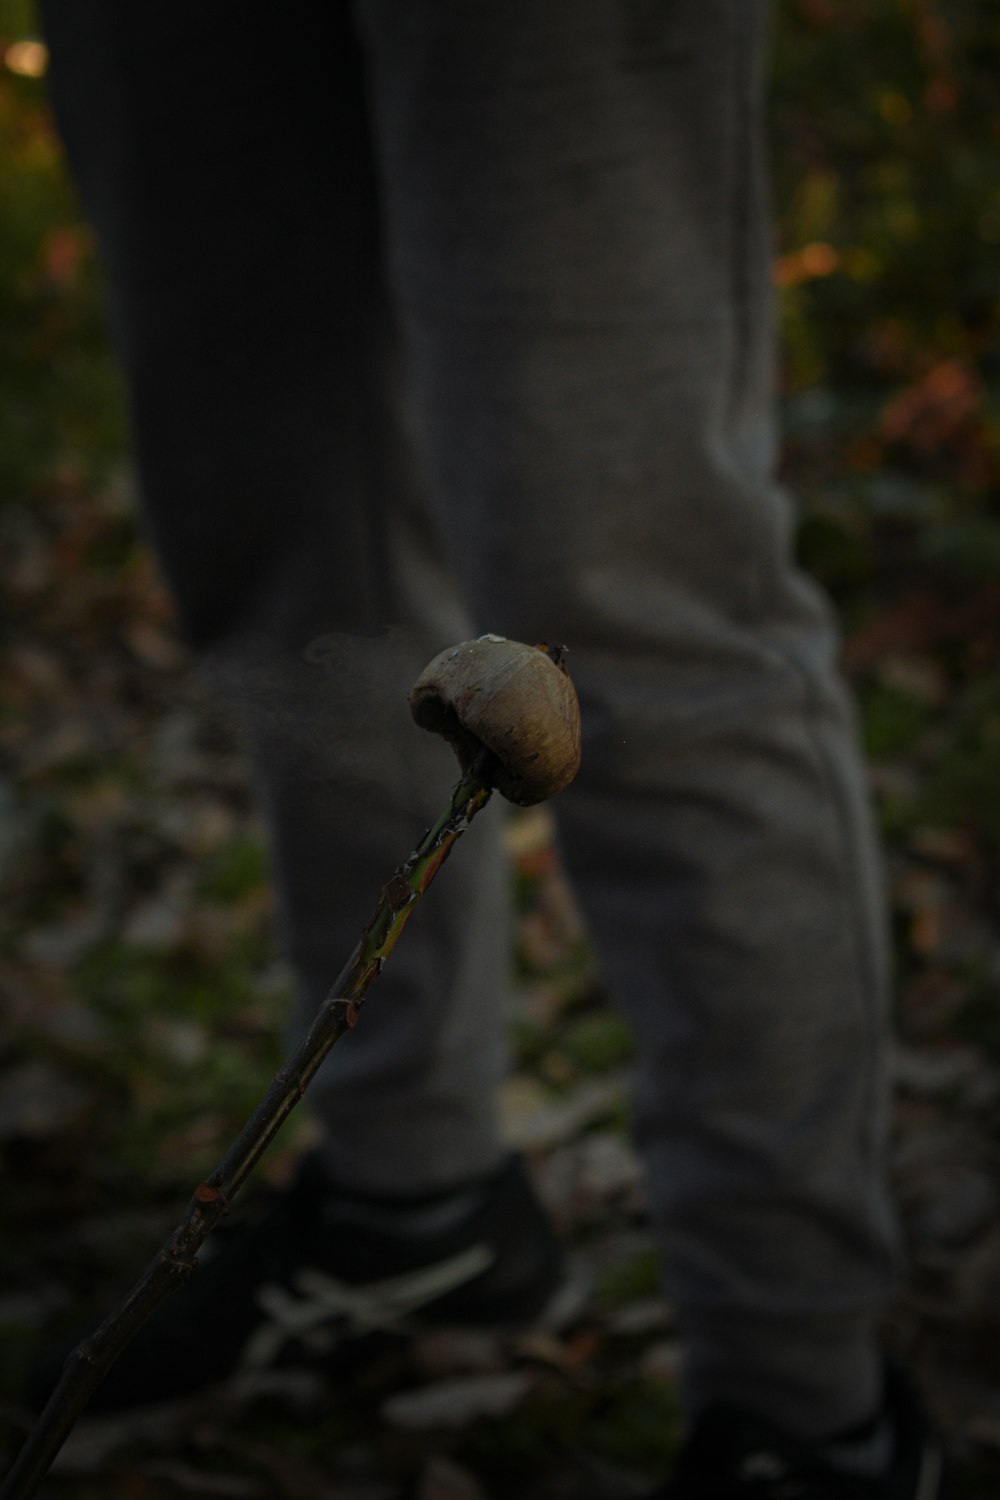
x=90, y=1361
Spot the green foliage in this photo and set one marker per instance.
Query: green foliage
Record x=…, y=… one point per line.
x=634, y=1421
x=18, y=18
x=61, y=407
x=597, y=1042
x=184, y=1039
x=236, y=869
x=631, y=1280
x=885, y=131
x=835, y=551
x=961, y=784
x=967, y=549
x=530, y=1437
x=639, y=1425
x=892, y=719
x=978, y=1021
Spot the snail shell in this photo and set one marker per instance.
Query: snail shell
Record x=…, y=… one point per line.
x=516, y=700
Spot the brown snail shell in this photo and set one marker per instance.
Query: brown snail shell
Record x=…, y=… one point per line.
x=516, y=700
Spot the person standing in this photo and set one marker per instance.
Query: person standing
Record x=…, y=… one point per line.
x=439, y=319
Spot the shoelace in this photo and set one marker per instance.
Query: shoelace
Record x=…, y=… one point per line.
x=323, y=1302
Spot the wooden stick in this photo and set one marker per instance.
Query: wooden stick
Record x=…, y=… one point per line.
x=89, y=1362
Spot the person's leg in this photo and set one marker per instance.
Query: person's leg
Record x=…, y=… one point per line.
x=578, y=240
x=224, y=159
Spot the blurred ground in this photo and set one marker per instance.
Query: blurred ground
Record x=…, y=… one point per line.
x=141, y=988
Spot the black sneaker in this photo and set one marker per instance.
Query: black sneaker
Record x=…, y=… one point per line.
x=732, y=1455
x=315, y=1270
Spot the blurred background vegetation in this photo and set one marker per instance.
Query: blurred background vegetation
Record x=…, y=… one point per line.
x=140, y=978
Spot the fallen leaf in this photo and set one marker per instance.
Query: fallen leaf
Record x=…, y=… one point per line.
x=457, y=1403
x=534, y=1121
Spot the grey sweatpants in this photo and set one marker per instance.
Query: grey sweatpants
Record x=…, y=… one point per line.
x=442, y=317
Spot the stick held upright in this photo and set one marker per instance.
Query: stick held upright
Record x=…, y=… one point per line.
x=528, y=746
x=170, y=1268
